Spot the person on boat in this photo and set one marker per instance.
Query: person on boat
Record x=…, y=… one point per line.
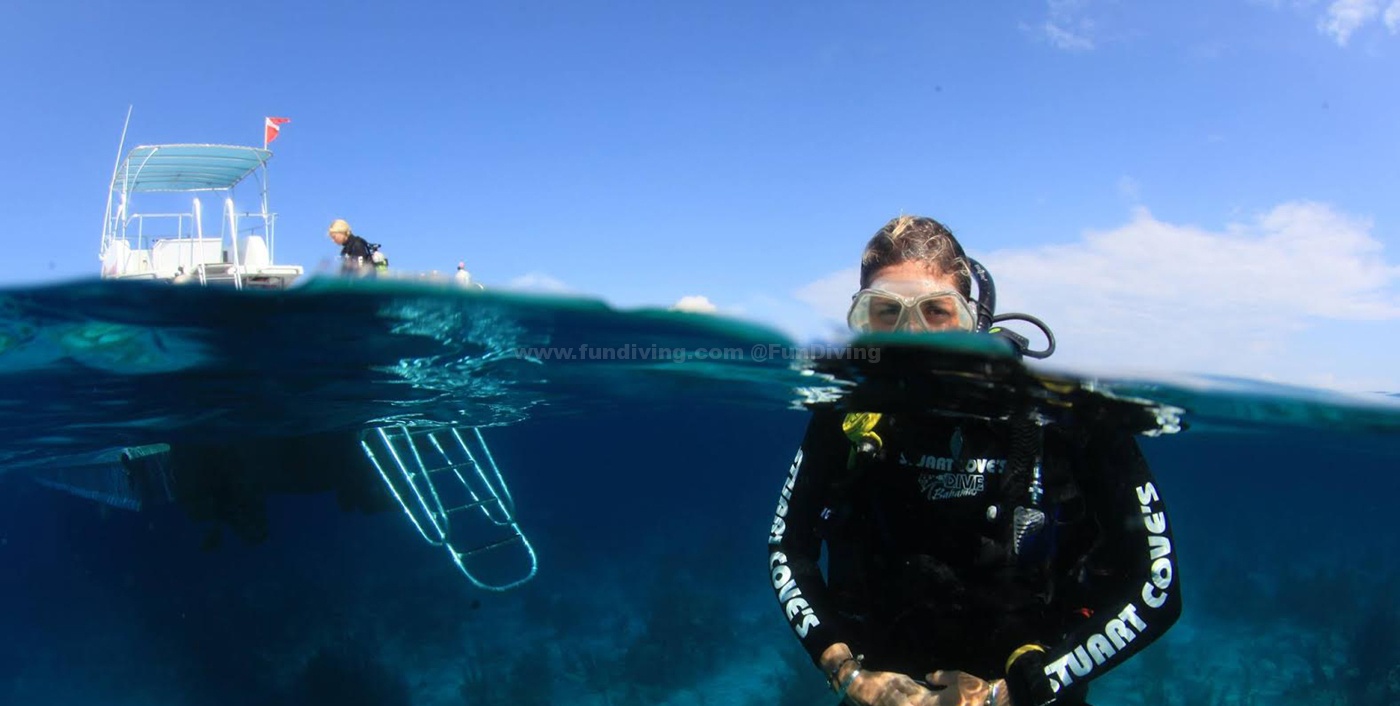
x=970, y=561
x=357, y=255
x=462, y=277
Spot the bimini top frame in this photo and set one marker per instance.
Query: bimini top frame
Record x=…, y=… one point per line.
x=183, y=168
x=188, y=167
x=133, y=248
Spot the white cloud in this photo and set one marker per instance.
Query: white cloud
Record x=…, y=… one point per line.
x=1062, y=38
x=695, y=303
x=539, y=282
x=1344, y=17
x=1066, y=27
x=802, y=315
x=830, y=296
x=1157, y=296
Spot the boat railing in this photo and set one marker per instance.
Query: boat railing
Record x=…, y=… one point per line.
x=232, y=219
x=175, y=242
x=138, y=220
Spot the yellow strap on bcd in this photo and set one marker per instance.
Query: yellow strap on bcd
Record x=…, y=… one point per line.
x=860, y=428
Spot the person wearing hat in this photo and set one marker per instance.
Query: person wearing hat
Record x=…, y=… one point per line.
x=355, y=253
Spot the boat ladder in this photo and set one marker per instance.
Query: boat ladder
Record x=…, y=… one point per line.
x=447, y=481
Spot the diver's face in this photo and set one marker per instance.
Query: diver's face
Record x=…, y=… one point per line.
x=909, y=296
x=339, y=236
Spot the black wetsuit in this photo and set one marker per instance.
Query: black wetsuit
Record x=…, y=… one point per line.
x=356, y=254
x=921, y=574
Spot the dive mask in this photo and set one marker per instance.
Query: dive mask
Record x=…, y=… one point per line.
x=880, y=309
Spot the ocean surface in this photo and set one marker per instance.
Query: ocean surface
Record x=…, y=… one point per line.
x=262, y=560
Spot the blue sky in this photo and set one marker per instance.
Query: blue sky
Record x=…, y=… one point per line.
x=1189, y=187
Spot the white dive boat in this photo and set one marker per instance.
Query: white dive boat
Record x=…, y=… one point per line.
x=172, y=245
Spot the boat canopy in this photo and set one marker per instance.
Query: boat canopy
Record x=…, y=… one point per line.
x=187, y=167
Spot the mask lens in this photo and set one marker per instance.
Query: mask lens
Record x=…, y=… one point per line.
x=875, y=312
x=943, y=313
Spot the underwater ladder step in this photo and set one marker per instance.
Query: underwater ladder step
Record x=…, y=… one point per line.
x=448, y=483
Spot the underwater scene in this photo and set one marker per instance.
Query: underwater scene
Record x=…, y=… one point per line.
x=212, y=497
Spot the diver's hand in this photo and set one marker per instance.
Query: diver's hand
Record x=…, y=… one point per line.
x=866, y=687
x=890, y=689
x=953, y=688
x=871, y=688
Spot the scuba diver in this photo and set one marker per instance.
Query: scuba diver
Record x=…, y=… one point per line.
x=969, y=561
x=357, y=255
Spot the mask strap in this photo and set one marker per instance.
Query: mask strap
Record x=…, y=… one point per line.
x=986, y=295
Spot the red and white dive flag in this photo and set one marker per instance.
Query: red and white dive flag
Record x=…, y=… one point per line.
x=271, y=127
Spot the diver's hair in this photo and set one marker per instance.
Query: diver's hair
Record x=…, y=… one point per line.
x=916, y=239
